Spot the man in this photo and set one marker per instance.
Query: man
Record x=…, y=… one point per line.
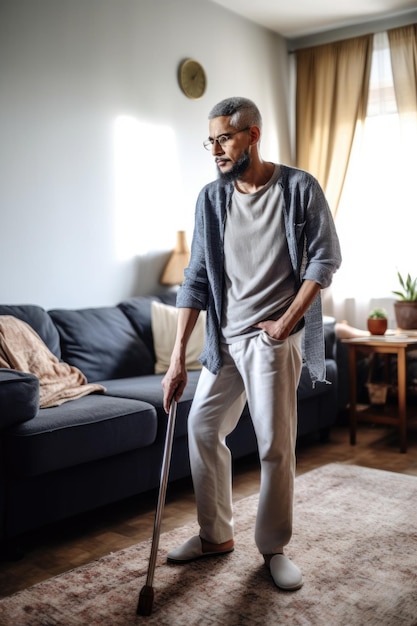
x=264, y=245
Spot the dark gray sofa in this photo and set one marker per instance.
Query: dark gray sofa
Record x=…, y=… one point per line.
x=58, y=462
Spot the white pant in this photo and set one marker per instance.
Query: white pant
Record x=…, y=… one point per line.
x=266, y=372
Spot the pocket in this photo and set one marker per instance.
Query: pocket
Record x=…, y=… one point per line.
x=270, y=341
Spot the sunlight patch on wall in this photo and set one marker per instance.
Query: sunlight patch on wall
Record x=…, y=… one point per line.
x=147, y=198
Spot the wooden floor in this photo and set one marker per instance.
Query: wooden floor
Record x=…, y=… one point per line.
x=88, y=537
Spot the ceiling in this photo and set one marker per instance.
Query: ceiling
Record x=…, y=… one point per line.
x=300, y=18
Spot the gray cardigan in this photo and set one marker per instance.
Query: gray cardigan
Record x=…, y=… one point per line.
x=313, y=246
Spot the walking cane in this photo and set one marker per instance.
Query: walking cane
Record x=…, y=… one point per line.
x=147, y=594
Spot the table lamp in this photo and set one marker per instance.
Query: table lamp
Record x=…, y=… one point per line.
x=173, y=273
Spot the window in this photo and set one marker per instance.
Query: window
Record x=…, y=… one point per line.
x=375, y=220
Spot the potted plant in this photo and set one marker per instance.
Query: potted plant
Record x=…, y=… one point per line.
x=406, y=305
x=377, y=321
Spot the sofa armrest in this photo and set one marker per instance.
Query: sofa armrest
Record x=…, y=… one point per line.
x=19, y=397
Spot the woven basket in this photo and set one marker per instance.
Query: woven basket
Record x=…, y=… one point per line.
x=377, y=392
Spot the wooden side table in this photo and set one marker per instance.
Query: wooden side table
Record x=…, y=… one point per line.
x=397, y=345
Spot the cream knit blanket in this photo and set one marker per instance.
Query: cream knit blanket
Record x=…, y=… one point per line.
x=22, y=349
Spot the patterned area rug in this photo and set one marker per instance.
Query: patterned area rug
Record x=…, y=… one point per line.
x=355, y=540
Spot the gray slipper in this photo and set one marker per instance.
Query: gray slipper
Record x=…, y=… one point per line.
x=192, y=550
x=285, y=573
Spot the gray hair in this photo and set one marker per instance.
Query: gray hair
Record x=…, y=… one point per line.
x=242, y=112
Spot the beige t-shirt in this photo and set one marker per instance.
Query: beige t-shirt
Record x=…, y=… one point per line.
x=259, y=280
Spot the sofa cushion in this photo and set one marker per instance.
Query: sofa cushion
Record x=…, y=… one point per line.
x=330, y=341
x=149, y=389
x=87, y=429
x=139, y=311
x=40, y=321
x=306, y=389
x=102, y=343
x=164, y=327
x=19, y=397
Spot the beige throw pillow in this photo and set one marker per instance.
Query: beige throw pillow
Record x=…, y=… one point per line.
x=164, y=326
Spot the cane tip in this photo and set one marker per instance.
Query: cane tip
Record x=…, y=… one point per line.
x=145, y=601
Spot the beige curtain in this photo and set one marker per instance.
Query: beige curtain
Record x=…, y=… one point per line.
x=331, y=96
x=403, y=49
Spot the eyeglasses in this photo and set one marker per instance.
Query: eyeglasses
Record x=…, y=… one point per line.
x=222, y=139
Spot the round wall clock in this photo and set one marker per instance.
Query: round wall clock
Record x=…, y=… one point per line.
x=192, y=79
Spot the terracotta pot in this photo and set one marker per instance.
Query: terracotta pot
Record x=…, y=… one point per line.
x=378, y=325
x=406, y=315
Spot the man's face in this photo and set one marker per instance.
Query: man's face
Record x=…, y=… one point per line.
x=232, y=156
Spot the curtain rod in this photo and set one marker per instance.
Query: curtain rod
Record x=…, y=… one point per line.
x=354, y=30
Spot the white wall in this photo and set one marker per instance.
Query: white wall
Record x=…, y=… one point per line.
x=101, y=154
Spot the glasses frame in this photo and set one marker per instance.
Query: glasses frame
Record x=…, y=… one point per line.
x=222, y=139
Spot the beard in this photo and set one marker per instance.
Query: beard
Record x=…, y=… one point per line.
x=238, y=169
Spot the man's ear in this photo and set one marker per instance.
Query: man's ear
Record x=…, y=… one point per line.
x=255, y=134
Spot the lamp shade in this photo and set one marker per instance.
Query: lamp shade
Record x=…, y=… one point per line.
x=173, y=273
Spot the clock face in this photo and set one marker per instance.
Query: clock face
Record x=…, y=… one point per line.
x=192, y=79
